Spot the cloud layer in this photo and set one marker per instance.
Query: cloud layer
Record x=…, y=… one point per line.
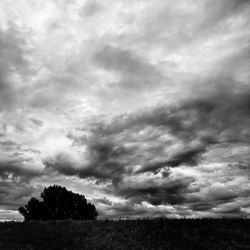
x=143, y=106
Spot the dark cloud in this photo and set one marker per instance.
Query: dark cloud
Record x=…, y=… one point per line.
x=135, y=72
x=128, y=148
x=104, y=162
x=138, y=139
x=211, y=119
x=126, y=210
x=207, y=203
x=215, y=202
x=234, y=212
x=18, y=169
x=90, y=8
x=188, y=156
x=223, y=9
x=156, y=192
x=218, y=119
x=14, y=194
x=13, y=61
x=162, y=27
x=9, y=144
x=130, y=209
x=103, y=200
x=15, y=148
x=37, y=122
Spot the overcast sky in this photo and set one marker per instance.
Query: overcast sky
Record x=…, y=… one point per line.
x=143, y=106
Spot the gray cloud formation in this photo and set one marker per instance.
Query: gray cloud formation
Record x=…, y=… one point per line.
x=13, y=63
x=149, y=100
x=17, y=169
x=128, y=147
x=13, y=194
x=135, y=72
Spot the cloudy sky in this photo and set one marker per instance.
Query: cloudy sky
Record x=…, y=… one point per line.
x=143, y=106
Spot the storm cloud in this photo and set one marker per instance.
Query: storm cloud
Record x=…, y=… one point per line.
x=139, y=152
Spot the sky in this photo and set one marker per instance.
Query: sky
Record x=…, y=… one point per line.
x=142, y=106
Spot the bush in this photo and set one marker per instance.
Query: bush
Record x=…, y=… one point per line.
x=58, y=204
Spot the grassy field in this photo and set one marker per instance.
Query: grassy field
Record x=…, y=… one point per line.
x=130, y=234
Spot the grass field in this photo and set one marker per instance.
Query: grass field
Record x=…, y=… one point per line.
x=129, y=234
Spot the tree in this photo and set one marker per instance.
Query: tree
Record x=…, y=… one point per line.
x=58, y=204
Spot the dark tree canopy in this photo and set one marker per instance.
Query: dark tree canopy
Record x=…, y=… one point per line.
x=58, y=204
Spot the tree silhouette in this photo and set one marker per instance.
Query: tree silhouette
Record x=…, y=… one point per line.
x=58, y=204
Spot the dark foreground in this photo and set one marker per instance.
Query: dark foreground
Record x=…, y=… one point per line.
x=132, y=234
